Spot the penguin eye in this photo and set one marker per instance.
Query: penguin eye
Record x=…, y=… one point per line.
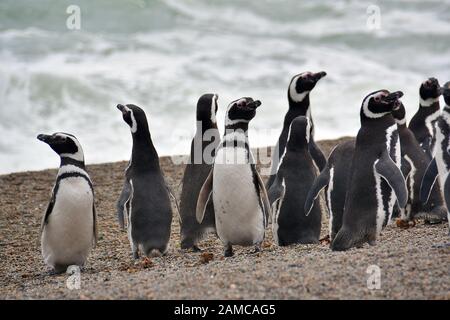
x=377, y=98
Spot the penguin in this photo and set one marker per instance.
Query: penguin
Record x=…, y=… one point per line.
x=203, y=148
x=147, y=209
x=299, y=89
x=238, y=194
x=334, y=180
x=69, y=226
x=376, y=181
x=423, y=123
x=414, y=164
x=296, y=174
x=440, y=165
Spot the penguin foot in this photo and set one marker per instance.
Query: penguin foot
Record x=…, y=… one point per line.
x=228, y=252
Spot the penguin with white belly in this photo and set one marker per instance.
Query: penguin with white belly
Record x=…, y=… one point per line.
x=376, y=182
x=203, y=149
x=440, y=165
x=416, y=162
x=69, y=227
x=423, y=123
x=296, y=174
x=298, y=93
x=234, y=186
x=147, y=209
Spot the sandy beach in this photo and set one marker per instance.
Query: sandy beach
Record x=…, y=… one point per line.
x=410, y=266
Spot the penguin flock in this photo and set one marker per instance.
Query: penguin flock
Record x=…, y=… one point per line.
x=389, y=171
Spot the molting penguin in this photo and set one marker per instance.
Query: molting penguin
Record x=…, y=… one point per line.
x=298, y=96
x=203, y=149
x=144, y=202
x=423, y=123
x=376, y=181
x=69, y=227
x=334, y=179
x=234, y=186
x=296, y=174
x=414, y=164
x=440, y=165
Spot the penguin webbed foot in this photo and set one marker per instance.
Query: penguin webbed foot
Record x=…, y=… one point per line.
x=228, y=251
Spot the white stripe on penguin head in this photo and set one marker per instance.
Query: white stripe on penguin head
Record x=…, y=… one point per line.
x=228, y=121
x=367, y=112
x=427, y=102
x=79, y=155
x=133, y=127
x=213, y=108
x=295, y=96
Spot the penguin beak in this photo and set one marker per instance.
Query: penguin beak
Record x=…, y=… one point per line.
x=319, y=75
x=393, y=99
x=122, y=108
x=44, y=138
x=254, y=104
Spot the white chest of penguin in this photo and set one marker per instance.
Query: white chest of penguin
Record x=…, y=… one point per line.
x=69, y=229
x=239, y=218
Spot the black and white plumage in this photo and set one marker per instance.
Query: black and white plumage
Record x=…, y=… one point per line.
x=440, y=165
x=234, y=186
x=423, y=123
x=287, y=195
x=414, y=164
x=69, y=227
x=203, y=150
x=144, y=202
x=299, y=89
x=376, y=182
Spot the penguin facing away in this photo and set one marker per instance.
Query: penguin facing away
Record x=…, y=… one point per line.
x=334, y=180
x=423, y=123
x=69, y=227
x=440, y=165
x=299, y=89
x=203, y=148
x=376, y=181
x=147, y=208
x=416, y=162
x=234, y=186
x=296, y=174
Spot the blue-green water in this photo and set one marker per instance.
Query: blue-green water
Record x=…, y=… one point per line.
x=162, y=55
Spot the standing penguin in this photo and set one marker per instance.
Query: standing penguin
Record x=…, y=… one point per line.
x=147, y=208
x=69, y=227
x=234, y=186
x=334, y=178
x=440, y=165
x=203, y=149
x=423, y=123
x=416, y=162
x=296, y=174
x=376, y=181
x=298, y=96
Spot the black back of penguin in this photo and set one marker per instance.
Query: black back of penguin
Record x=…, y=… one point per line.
x=294, y=178
x=202, y=155
x=423, y=122
x=299, y=89
x=148, y=203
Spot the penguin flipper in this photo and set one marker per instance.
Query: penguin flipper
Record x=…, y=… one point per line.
x=405, y=168
x=317, y=155
x=389, y=171
x=204, y=196
x=263, y=196
x=49, y=210
x=319, y=184
x=447, y=192
x=123, y=198
x=428, y=181
x=95, y=230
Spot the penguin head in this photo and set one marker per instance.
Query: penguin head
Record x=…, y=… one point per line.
x=430, y=91
x=301, y=84
x=64, y=144
x=379, y=103
x=446, y=93
x=133, y=116
x=207, y=108
x=241, y=111
x=299, y=132
x=399, y=115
